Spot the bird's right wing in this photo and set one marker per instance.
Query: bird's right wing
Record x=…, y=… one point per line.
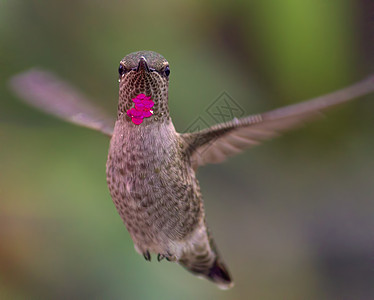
x=215, y=144
x=51, y=94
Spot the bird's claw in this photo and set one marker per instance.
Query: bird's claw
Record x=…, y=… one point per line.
x=168, y=256
x=147, y=255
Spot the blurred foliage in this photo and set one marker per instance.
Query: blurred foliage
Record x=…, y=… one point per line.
x=293, y=218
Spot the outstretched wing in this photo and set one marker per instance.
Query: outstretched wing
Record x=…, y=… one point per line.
x=215, y=144
x=50, y=94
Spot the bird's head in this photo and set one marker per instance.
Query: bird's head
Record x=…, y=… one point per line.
x=143, y=87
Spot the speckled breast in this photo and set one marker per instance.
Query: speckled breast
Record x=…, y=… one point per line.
x=153, y=189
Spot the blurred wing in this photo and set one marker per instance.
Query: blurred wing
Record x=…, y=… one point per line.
x=215, y=144
x=50, y=94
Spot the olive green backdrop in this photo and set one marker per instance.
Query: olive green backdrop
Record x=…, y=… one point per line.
x=293, y=218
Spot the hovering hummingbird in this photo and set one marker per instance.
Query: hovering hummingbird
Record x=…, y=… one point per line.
x=151, y=167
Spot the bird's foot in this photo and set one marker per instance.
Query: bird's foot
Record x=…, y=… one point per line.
x=147, y=255
x=168, y=256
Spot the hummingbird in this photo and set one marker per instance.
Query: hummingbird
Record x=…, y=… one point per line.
x=151, y=168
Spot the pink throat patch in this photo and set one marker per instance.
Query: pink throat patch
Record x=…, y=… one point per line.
x=142, y=109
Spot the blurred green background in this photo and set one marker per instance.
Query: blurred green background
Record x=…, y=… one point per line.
x=293, y=218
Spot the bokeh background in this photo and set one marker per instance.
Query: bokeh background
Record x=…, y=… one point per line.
x=293, y=218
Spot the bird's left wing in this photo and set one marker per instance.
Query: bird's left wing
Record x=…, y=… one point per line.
x=215, y=144
x=51, y=94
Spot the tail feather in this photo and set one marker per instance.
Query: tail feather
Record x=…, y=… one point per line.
x=204, y=261
x=214, y=270
x=201, y=258
x=219, y=274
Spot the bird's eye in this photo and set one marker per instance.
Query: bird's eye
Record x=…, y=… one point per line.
x=167, y=71
x=121, y=70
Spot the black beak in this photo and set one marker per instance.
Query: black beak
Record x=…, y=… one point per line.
x=142, y=66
